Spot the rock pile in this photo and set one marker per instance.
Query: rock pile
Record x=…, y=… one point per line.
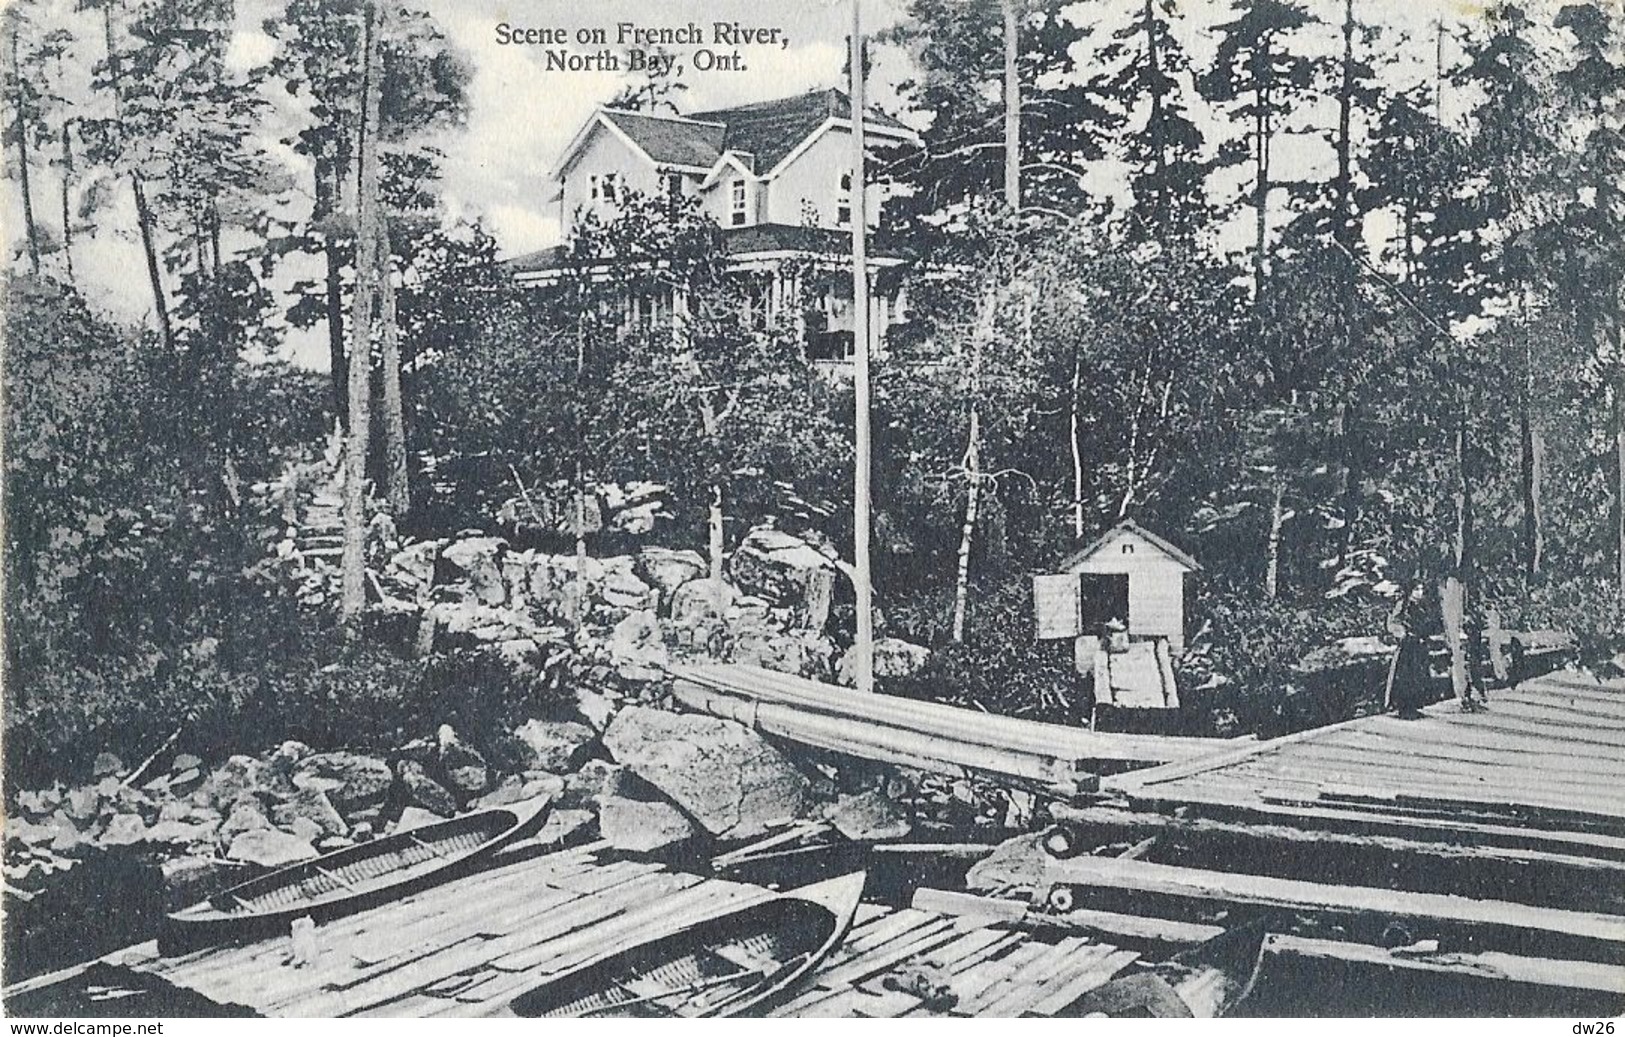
x=646, y=779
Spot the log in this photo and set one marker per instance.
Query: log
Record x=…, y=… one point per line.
x=1010, y=733
x=1597, y=933
x=938, y=754
x=1251, y=805
x=1434, y=865
x=1513, y=968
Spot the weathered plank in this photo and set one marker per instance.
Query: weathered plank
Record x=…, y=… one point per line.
x=1607, y=931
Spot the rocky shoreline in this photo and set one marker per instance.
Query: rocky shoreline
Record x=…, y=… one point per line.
x=620, y=764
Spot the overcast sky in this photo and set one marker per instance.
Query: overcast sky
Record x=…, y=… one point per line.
x=522, y=115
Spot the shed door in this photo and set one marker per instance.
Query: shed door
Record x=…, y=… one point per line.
x=1104, y=596
x=1055, y=606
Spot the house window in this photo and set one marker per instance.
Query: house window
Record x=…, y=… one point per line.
x=593, y=191
x=843, y=201
x=737, y=211
x=607, y=187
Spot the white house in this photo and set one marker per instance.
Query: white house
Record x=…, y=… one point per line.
x=775, y=175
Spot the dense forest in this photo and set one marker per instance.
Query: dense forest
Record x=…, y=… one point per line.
x=1392, y=364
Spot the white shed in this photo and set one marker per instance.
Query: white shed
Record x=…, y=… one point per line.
x=1129, y=575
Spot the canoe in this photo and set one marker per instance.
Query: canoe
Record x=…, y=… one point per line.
x=727, y=963
x=351, y=879
x=1204, y=982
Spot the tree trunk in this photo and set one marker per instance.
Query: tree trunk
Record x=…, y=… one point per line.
x=1261, y=185
x=143, y=216
x=1619, y=459
x=973, y=486
x=30, y=227
x=360, y=382
x=1154, y=122
x=714, y=538
x=1456, y=593
x=579, y=591
x=1532, y=475
x=1012, y=107
x=1076, y=437
x=1343, y=227
x=1349, y=498
x=397, y=485
x=330, y=173
x=67, y=207
x=1272, y=564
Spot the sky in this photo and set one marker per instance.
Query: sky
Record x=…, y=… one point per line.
x=522, y=114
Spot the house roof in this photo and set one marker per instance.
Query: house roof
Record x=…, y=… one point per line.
x=671, y=141
x=763, y=134
x=738, y=241
x=1130, y=526
x=772, y=129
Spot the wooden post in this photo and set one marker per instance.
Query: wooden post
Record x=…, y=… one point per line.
x=864, y=646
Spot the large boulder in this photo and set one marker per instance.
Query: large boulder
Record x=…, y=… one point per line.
x=188, y=877
x=642, y=827
x=412, y=567
x=107, y=764
x=566, y=827
x=476, y=563
x=39, y=802
x=285, y=759
x=124, y=830
x=622, y=590
x=869, y=817
x=893, y=657
x=786, y=571
x=521, y=788
x=351, y=780
x=245, y=816
x=424, y=791
x=666, y=569
x=465, y=768
x=558, y=746
x=800, y=652
x=1015, y=863
x=637, y=648
x=82, y=804
x=723, y=774
x=587, y=786
x=700, y=604
x=181, y=834
x=313, y=806
x=553, y=576
x=269, y=848
x=239, y=776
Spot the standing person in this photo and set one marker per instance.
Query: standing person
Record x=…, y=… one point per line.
x=1412, y=623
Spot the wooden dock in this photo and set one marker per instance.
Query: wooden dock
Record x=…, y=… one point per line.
x=1473, y=856
x=1541, y=769
x=466, y=948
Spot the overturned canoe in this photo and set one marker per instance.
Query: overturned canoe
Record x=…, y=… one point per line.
x=1205, y=982
x=718, y=964
x=350, y=879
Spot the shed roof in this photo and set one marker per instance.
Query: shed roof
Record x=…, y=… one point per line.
x=1130, y=526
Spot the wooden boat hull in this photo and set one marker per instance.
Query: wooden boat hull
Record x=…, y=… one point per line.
x=728, y=963
x=349, y=880
x=1205, y=982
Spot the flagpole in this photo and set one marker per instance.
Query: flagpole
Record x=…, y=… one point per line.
x=864, y=646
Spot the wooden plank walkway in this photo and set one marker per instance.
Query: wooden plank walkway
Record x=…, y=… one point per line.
x=468, y=947
x=1541, y=768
